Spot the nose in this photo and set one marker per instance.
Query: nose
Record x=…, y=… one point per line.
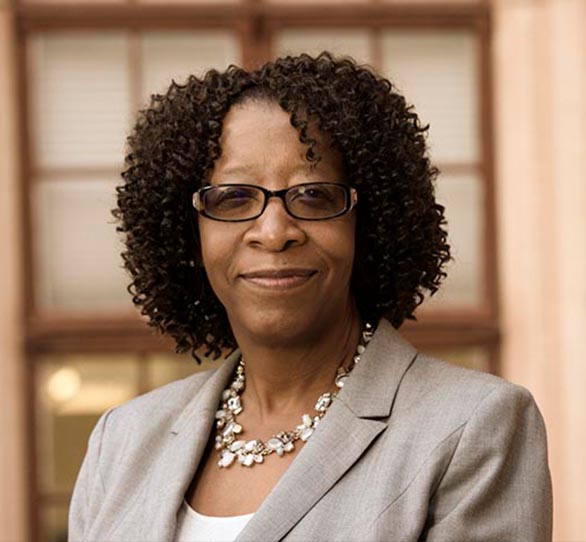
x=275, y=230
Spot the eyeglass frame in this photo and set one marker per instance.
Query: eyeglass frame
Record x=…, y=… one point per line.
x=351, y=200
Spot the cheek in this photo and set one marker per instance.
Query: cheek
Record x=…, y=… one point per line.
x=217, y=250
x=341, y=248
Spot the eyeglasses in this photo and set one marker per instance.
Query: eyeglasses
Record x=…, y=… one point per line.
x=306, y=201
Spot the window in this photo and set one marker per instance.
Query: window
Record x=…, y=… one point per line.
x=86, y=73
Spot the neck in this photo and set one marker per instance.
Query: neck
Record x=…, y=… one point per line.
x=283, y=381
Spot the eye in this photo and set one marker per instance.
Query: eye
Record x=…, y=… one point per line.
x=231, y=195
x=313, y=194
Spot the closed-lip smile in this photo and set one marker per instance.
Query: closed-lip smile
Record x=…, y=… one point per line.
x=279, y=279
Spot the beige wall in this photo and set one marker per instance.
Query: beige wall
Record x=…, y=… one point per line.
x=12, y=454
x=540, y=63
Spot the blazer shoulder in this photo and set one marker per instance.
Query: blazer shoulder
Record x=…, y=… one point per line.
x=451, y=374
x=456, y=392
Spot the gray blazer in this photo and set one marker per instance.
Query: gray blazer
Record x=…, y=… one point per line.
x=412, y=449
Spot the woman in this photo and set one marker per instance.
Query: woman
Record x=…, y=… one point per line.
x=313, y=235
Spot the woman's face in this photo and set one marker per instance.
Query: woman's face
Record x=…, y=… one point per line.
x=278, y=277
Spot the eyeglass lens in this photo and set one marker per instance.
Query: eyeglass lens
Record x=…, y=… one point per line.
x=307, y=201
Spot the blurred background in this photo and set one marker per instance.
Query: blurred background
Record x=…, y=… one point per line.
x=502, y=85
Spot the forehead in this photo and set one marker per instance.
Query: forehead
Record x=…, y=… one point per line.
x=257, y=115
x=258, y=135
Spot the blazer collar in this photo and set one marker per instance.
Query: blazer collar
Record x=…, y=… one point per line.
x=371, y=389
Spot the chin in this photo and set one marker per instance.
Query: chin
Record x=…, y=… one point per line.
x=278, y=327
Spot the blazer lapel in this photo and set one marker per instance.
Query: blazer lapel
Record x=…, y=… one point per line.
x=373, y=385
x=341, y=438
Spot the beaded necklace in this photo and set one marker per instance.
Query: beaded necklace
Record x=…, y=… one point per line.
x=250, y=452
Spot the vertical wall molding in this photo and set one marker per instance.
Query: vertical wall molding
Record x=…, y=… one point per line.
x=540, y=96
x=13, y=455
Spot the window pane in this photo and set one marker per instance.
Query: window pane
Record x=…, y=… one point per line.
x=437, y=72
x=72, y=393
x=472, y=357
x=175, y=55
x=79, y=98
x=78, y=251
x=54, y=523
x=463, y=197
x=355, y=43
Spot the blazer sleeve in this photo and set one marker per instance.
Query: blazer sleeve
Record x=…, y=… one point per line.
x=497, y=486
x=89, y=487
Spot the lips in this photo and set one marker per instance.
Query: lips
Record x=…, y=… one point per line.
x=279, y=279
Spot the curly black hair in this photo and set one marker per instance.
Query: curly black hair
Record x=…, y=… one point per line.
x=401, y=242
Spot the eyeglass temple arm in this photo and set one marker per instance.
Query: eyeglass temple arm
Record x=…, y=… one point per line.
x=196, y=201
x=353, y=197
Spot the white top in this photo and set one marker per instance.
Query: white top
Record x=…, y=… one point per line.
x=195, y=527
